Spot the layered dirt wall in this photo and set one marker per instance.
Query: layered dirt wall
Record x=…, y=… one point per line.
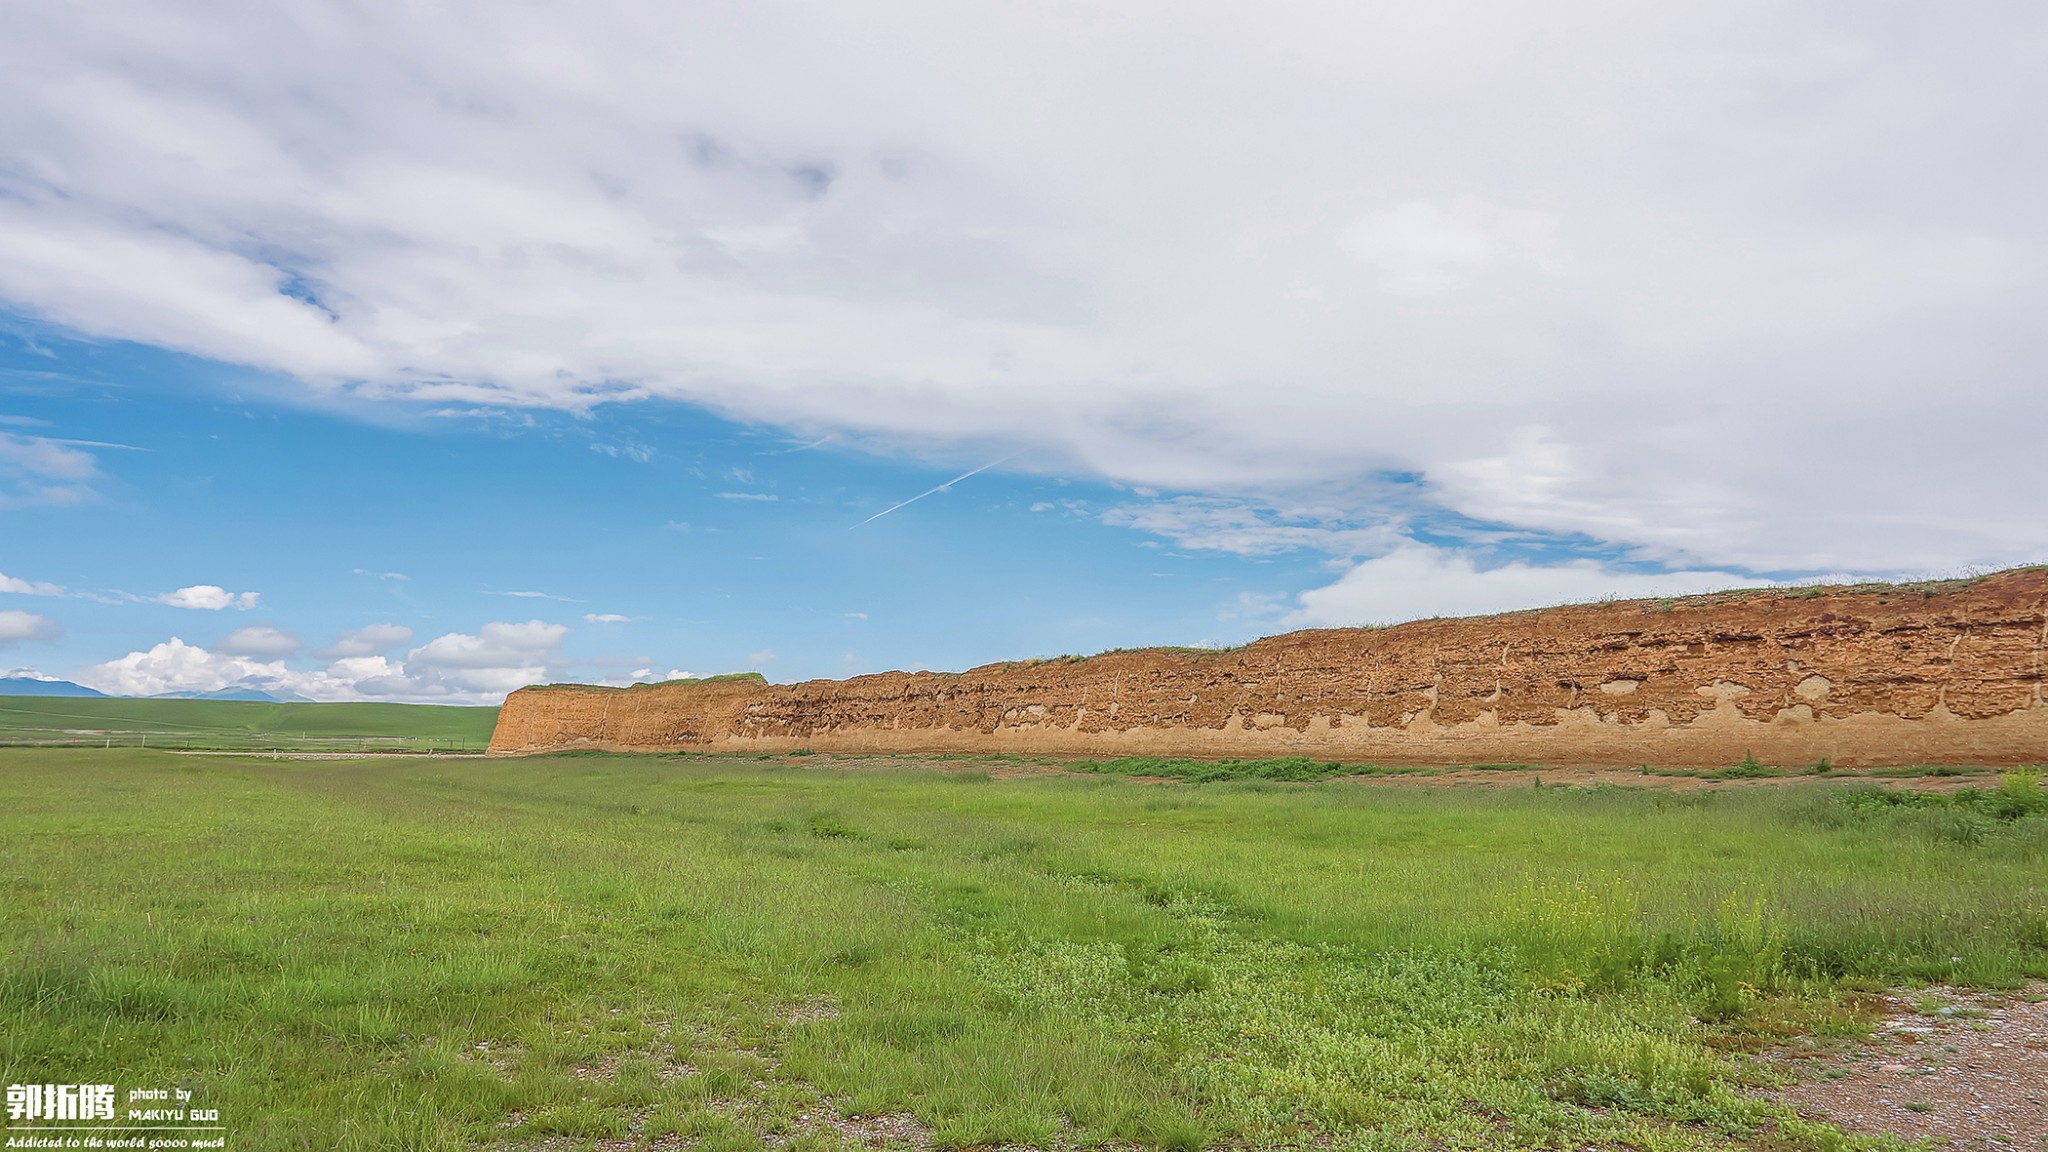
x=1866, y=675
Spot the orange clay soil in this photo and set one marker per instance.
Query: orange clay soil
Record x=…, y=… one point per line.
x=1867, y=675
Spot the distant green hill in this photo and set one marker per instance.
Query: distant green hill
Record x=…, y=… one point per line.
x=235, y=724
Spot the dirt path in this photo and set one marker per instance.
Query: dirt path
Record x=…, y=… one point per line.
x=1964, y=1068
x=288, y=754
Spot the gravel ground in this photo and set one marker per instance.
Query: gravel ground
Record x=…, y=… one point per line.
x=1967, y=1069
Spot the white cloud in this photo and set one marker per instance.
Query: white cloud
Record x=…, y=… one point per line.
x=766, y=497
x=1723, y=253
x=17, y=626
x=175, y=666
x=453, y=669
x=609, y=618
x=638, y=453
x=369, y=640
x=29, y=587
x=258, y=640
x=1416, y=581
x=764, y=656
x=1249, y=529
x=20, y=587
x=208, y=598
x=647, y=676
x=1422, y=249
x=500, y=657
x=42, y=471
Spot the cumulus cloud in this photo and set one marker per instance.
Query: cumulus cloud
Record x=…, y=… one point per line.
x=17, y=626
x=456, y=668
x=369, y=640
x=498, y=659
x=175, y=666
x=208, y=598
x=1416, y=581
x=259, y=640
x=1683, y=281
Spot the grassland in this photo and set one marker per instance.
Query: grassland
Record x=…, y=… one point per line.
x=609, y=951
x=241, y=725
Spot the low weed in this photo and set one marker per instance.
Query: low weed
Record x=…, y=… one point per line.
x=585, y=951
x=1289, y=769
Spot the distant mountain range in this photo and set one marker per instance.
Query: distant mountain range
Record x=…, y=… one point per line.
x=233, y=694
x=31, y=686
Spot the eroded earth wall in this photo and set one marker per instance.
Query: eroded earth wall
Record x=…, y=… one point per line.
x=1869, y=675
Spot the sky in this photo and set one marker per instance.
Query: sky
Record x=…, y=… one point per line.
x=418, y=353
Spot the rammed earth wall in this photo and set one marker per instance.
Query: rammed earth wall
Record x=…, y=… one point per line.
x=1869, y=675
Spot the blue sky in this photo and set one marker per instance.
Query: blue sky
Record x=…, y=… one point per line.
x=404, y=353
x=717, y=546
x=663, y=539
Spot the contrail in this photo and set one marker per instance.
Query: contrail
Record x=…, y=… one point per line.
x=827, y=438
x=940, y=488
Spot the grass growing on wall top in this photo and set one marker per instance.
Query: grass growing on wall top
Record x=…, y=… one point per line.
x=721, y=678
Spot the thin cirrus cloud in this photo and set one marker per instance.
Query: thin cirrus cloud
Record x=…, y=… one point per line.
x=20, y=587
x=1680, y=283
x=45, y=471
x=638, y=453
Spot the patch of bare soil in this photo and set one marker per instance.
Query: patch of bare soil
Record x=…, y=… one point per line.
x=1965, y=1069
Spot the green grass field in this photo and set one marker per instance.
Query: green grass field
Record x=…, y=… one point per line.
x=731, y=954
x=241, y=725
